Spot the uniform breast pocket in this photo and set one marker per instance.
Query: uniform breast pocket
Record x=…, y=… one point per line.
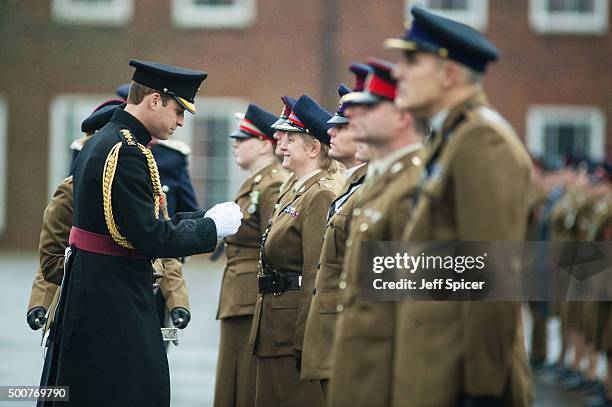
x=247, y=287
x=328, y=301
x=339, y=225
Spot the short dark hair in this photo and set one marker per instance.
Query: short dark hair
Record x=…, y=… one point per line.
x=138, y=93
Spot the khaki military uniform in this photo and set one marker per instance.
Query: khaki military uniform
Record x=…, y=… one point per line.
x=588, y=318
x=236, y=367
x=42, y=292
x=318, y=337
x=539, y=337
x=477, y=191
x=57, y=221
x=602, y=229
x=598, y=227
x=362, y=352
x=293, y=245
x=285, y=193
x=563, y=224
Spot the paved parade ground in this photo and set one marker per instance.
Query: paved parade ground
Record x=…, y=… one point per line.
x=192, y=364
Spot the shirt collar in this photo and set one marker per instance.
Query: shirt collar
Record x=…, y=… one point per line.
x=351, y=171
x=125, y=119
x=437, y=121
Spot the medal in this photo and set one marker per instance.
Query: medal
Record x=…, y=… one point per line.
x=254, y=195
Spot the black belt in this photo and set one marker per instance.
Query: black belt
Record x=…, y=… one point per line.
x=278, y=283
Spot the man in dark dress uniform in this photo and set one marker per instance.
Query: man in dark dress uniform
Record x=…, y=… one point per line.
x=171, y=156
x=107, y=346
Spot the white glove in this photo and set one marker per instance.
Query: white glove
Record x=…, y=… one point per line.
x=227, y=217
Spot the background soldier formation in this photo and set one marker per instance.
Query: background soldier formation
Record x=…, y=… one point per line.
x=413, y=153
x=572, y=201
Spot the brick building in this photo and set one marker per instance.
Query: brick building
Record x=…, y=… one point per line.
x=59, y=58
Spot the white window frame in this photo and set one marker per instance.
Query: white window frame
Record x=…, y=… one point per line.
x=476, y=15
x=538, y=116
x=219, y=107
x=116, y=13
x=62, y=133
x=188, y=14
x=545, y=22
x=3, y=162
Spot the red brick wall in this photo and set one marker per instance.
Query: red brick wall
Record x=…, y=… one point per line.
x=294, y=47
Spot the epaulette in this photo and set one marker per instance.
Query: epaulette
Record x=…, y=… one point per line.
x=176, y=145
x=127, y=138
x=77, y=145
x=493, y=116
x=325, y=182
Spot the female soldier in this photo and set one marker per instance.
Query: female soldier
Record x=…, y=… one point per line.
x=254, y=152
x=289, y=254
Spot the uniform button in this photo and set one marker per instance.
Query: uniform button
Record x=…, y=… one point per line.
x=165, y=188
x=397, y=167
x=363, y=227
x=339, y=307
x=343, y=275
x=314, y=290
x=342, y=285
x=356, y=212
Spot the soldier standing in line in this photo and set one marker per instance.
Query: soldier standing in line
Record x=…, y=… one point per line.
x=600, y=229
x=362, y=351
x=460, y=353
x=102, y=346
x=561, y=224
x=290, y=249
x=171, y=157
x=318, y=336
x=254, y=152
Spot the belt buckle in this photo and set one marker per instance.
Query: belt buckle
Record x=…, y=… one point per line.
x=279, y=284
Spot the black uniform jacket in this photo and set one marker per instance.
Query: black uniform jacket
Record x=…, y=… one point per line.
x=107, y=345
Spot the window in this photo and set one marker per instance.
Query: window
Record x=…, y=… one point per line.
x=556, y=131
x=65, y=116
x=213, y=13
x=569, y=16
x=474, y=13
x=215, y=176
x=93, y=12
x=3, y=163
